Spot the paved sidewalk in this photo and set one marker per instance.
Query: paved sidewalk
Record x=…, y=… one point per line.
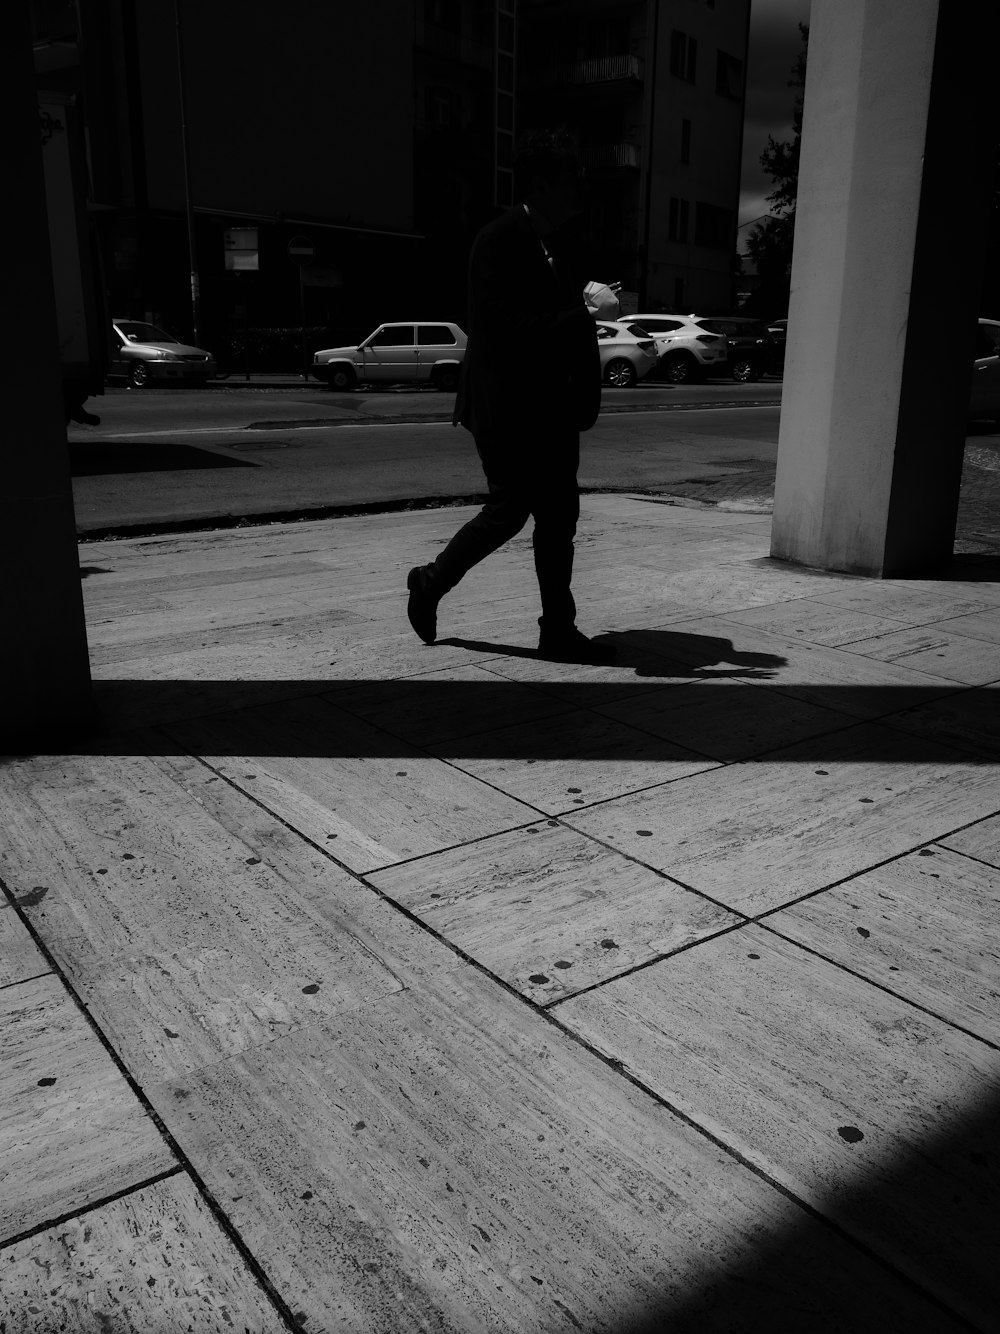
x=352, y=984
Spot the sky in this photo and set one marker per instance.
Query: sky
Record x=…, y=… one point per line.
x=774, y=44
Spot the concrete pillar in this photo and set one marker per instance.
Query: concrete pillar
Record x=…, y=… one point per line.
x=896, y=172
x=44, y=668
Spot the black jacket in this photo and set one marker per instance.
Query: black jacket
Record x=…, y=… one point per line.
x=532, y=358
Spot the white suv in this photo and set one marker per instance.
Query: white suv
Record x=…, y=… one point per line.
x=687, y=351
x=419, y=351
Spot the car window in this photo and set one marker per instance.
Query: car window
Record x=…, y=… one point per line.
x=715, y=326
x=985, y=345
x=638, y=329
x=992, y=334
x=436, y=334
x=604, y=332
x=398, y=335
x=662, y=326
x=136, y=332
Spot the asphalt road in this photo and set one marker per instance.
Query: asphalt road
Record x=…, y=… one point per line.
x=164, y=458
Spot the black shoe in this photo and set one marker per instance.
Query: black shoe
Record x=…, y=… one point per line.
x=422, y=605
x=572, y=646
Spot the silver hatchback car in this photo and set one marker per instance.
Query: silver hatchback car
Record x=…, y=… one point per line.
x=412, y=351
x=143, y=353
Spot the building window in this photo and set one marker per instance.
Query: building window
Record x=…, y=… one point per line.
x=686, y=142
x=677, y=222
x=713, y=226
x=728, y=76
x=683, y=55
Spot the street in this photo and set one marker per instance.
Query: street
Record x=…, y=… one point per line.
x=169, y=457
x=181, y=456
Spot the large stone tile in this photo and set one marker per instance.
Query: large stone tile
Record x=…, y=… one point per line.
x=20, y=957
x=913, y=602
x=813, y=620
x=926, y=926
x=549, y=911
x=833, y=678
x=727, y=720
x=334, y=777
x=192, y=924
x=759, y=834
x=876, y=1114
x=71, y=1129
x=448, y=1160
x=634, y=671
x=983, y=625
x=576, y=758
x=980, y=840
x=154, y=1260
x=935, y=649
x=969, y=719
x=437, y=706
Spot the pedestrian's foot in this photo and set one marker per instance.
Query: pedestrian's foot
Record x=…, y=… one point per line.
x=422, y=605
x=572, y=646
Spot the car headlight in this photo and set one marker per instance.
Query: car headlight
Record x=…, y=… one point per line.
x=160, y=356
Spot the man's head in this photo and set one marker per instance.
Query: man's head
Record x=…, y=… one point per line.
x=548, y=175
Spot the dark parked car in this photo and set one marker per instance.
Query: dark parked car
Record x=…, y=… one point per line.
x=752, y=351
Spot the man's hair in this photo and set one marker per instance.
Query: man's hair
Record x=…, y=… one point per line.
x=546, y=153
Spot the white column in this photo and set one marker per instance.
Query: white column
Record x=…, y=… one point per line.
x=894, y=184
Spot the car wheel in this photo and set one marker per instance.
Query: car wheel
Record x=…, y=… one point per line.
x=342, y=378
x=680, y=368
x=745, y=371
x=621, y=373
x=138, y=376
x=446, y=378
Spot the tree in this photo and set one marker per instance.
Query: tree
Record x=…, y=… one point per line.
x=769, y=245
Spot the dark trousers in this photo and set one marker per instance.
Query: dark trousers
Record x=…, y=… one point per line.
x=529, y=474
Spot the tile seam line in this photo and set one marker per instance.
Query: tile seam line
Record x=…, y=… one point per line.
x=969, y=856
x=57, y=1220
x=761, y=1173
x=361, y=878
x=937, y=840
x=549, y=1006
x=19, y=982
x=183, y=1162
x=880, y=986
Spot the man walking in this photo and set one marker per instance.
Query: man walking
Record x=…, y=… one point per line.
x=531, y=382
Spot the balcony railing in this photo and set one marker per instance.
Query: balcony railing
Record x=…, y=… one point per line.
x=611, y=155
x=602, y=69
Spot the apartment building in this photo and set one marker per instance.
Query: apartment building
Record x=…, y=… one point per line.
x=655, y=91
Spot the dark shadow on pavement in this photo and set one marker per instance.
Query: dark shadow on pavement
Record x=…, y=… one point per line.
x=96, y=458
x=502, y=719
x=925, y=1216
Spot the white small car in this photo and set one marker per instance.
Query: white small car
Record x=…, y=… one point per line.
x=687, y=352
x=414, y=351
x=143, y=353
x=628, y=354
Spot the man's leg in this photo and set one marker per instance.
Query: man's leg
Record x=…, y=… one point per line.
x=555, y=504
x=501, y=518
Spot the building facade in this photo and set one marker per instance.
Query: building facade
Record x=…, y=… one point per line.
x=655, y=91
x=250, y=166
